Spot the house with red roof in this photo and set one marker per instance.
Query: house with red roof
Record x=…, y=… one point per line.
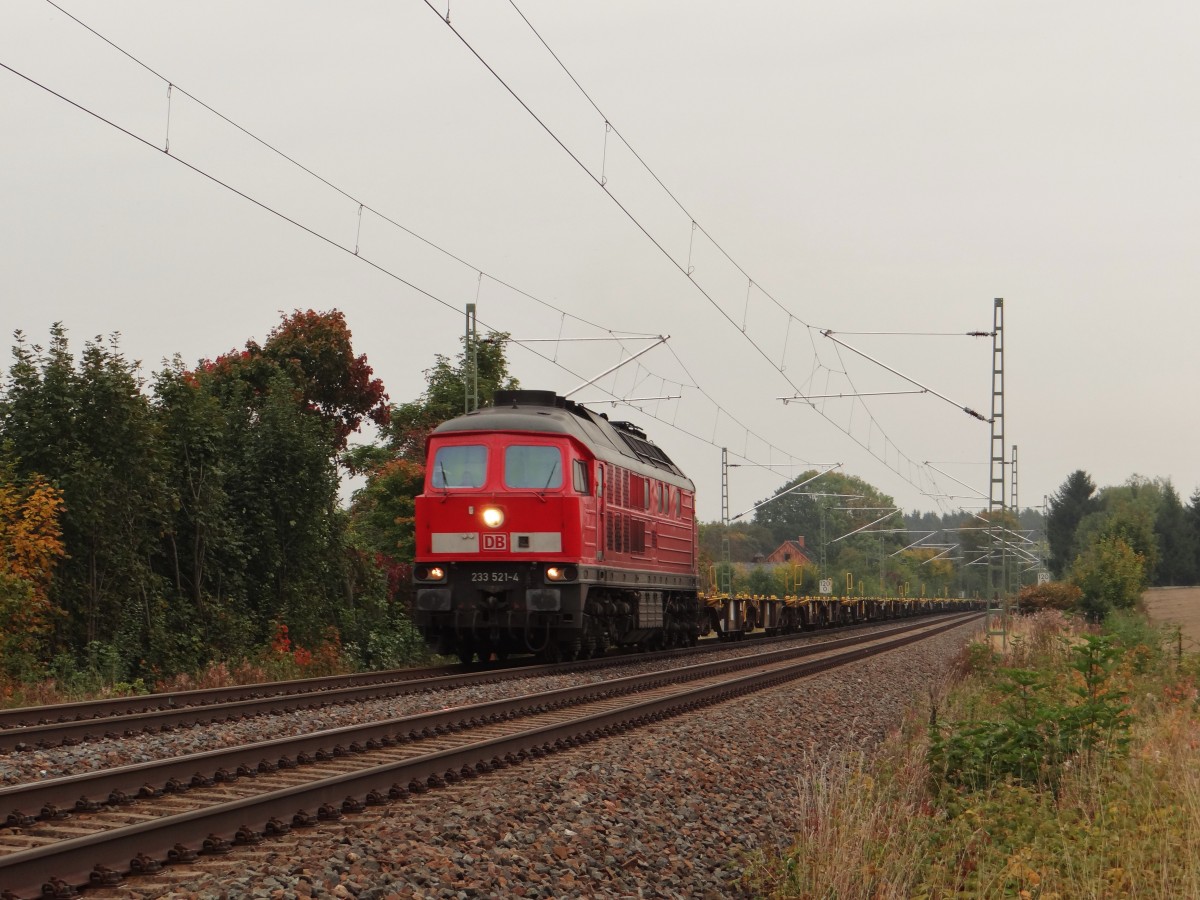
x=792, y=553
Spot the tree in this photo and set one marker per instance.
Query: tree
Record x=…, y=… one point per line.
x=192, y=518
x=925, y=567
x=746, y=540
x=381, y=512
x=282, y=479
x=1177, y=541
x=204, y=545
x=1111, y=575
x=382, y=515
x=1192, y=518
x=30, y=548
x=257, y=436
x=411, y=423
x=315, y=349
x=38, y=406
x=1068, y=506
x=114, y=495
x=1127, y=511
x=789, y=513
x=89, y=431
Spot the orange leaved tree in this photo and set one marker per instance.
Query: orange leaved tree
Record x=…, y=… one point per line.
x=30, y=546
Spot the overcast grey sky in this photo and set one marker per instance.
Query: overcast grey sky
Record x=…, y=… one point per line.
x=871, y=167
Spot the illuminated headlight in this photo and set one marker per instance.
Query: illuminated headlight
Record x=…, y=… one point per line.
x=492, y=517
x=430, y=573
x=555, y=573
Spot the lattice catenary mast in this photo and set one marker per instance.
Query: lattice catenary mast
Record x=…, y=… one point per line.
x=997, y=567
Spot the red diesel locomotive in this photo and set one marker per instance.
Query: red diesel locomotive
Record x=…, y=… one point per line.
x=545, y=528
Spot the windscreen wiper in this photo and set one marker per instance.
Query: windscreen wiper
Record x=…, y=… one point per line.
x=549, y=478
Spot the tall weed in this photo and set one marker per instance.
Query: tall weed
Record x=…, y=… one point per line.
x=963, y=807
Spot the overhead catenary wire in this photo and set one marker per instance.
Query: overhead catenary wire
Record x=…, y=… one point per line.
x=351, y=251
x=361, y=205
x=925, y=388
x=683, y=268
x=696, y=226
x=914, y=333
x=890, y=449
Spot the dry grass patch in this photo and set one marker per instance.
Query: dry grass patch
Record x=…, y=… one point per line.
x=1117, y=814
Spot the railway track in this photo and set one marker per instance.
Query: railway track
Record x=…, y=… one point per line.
x=172, y=810
x=72, y=723
x=98, y=713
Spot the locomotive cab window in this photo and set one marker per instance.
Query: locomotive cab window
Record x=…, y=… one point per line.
x=579, y=476
x=461, y=466
x=533, y=467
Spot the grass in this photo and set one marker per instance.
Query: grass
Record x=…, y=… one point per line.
x=101, y=673
x=1115, y=814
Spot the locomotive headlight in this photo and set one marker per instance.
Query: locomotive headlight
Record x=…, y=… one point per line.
x=492, y=517
x=436, y=573
x=555, y=573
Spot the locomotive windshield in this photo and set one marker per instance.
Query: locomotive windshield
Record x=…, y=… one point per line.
x=533, y=467
x=461, y=466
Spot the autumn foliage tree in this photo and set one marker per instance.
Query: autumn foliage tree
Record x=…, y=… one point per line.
x=86, y=427
x=30, y=548
x=194, y=517
x=254, y=450
x=315, y=349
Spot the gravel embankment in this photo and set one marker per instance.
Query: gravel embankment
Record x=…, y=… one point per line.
x=32, y=765
x=669, y=811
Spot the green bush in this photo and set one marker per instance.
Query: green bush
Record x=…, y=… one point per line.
x=1038, y=725
x=1111, y=575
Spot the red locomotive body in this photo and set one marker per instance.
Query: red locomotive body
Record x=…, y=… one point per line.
x=545, y=528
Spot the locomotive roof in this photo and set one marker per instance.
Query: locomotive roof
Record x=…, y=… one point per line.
x=547, y=413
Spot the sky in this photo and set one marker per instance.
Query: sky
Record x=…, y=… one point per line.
x=811, y=200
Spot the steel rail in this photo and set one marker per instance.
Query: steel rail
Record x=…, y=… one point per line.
x=49, y=798
x=130, y=716
x=24, y=872
x=108, y=707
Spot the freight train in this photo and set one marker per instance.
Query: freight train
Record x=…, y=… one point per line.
x=546, y=528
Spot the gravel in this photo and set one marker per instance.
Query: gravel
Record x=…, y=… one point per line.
x=669, y=811
x=107, y=753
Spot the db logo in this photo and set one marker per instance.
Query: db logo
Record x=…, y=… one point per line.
x=495, y=541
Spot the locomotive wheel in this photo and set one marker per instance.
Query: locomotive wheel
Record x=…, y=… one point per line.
x=570, y=649
x=593, y=637
x=585, y=640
